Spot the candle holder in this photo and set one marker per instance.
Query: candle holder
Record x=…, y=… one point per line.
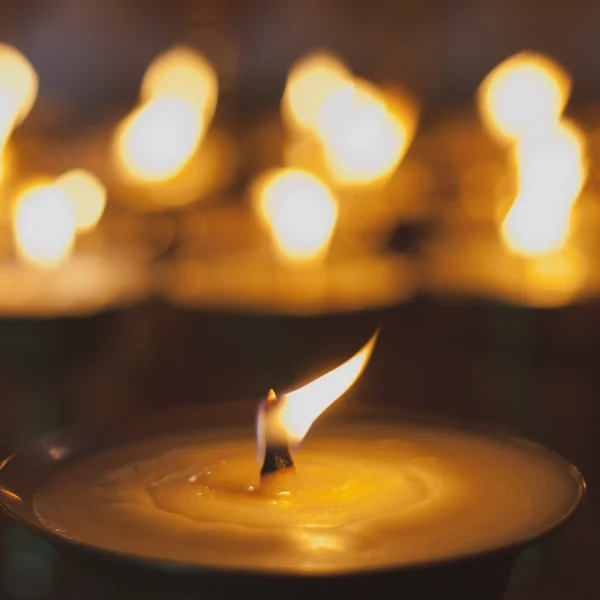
x=481, y=575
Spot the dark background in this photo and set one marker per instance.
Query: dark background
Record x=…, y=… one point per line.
x=535, y=371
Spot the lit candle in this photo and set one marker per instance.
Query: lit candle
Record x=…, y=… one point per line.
x=158, y=149
x=18, y=90
x=363, y=496
x=532, y=257
x=301, y=271
x=526, y=92
x=45, y=277
x=344, y=128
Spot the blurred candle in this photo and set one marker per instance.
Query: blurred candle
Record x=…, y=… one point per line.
x=45, y=276
x=45, y=225
x=350, y=129
x=88, y=196
x=18, y=90
x=525, y=92
x=178, y=98
x=300, y=213
x=363, y=140
x=310, y=82
x=551, y=172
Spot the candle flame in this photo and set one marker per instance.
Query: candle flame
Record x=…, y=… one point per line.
x=525, y=92
x=184, y=73
x=45, y=225
x=310, y=82
x=552, y=170
x=18, y=90
x=363, y=133
x=300, y=212
x=88, y=195
x=178, y=98
x=362, y=138
x=297, y=410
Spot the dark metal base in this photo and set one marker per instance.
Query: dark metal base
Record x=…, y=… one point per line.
x=482, y=578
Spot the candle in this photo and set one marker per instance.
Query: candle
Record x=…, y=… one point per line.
x=523, y=94
x=44, y=277
x=348, y=131
x=299, y=270
x=18, y=90
x=163, y=153
x=533, y=257
x=365, y=495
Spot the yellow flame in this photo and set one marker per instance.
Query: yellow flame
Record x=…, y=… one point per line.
x=299, y=409
x=525, y=92
x=158, y=139
x=363, y=139
x=184, y=73
x=179, y=94
x=300, y=212
x=18, y=89
x=88, y=195
x=310, y=82
x=552, y=170
x=44, y=222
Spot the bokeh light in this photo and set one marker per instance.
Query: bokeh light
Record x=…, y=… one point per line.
x=44, y=222
x=300, y=212
x=88, y=195
x=524, y=93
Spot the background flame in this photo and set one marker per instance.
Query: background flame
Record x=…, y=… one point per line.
x=179, y=95
x=18, y=90
x=362, y=138
x=551, y=171
x=298, y=410
x=362, y=132
x=300, y=212
x=45, y=225
x=525, y=92
x=310, y=82
x=88, y=195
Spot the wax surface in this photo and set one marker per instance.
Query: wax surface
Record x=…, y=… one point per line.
x=366, y=496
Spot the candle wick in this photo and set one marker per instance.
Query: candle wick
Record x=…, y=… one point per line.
x=277, y=450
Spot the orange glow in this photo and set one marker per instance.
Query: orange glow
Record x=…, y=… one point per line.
x=310, y=82
x=522, y=94
x=157, y=140
x=300, y=213
x=299, y=409
x=44, y=222
x=552, y=170
x=363, y=139
x=18, y=89
x=183, y=73
x=88, y=196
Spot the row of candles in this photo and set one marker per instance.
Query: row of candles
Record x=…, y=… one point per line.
x=371, y=497
x=302, y=242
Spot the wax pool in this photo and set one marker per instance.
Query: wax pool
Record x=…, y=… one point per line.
x=367, y=496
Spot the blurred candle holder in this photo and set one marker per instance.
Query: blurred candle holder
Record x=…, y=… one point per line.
x=290, y=261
